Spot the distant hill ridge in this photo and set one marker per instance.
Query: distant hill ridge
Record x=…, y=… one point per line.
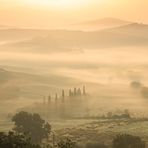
x=133, y=26
x=106, y=20
x=45, y=41
x=103, y=23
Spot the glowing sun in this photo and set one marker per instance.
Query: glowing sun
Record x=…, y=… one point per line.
x=58, y=3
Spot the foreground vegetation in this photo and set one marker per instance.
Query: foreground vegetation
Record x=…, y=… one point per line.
x=31, y=131
x=13, y=140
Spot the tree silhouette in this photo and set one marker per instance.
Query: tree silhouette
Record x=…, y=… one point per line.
x=32, y=125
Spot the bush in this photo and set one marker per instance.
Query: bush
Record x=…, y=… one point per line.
x=12, y=140
x=66, y=143
x=128, y=141
x=136, y=84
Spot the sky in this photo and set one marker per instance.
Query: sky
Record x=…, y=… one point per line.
x=49, y=13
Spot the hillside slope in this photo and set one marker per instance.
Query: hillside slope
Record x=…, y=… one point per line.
x=63, y=40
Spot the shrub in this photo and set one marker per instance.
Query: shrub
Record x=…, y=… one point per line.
x=66, y=143
x=12, y=140
x=136, y=84
x=127, y=141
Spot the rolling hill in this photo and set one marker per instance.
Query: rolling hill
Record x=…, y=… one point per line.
x=63, y=40
x=103, y=23
x=29, y=85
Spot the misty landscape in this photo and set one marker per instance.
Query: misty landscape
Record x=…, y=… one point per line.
x=84, y=85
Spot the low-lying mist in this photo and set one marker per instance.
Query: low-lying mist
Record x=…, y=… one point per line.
x=46, y=71
x=106, y=73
